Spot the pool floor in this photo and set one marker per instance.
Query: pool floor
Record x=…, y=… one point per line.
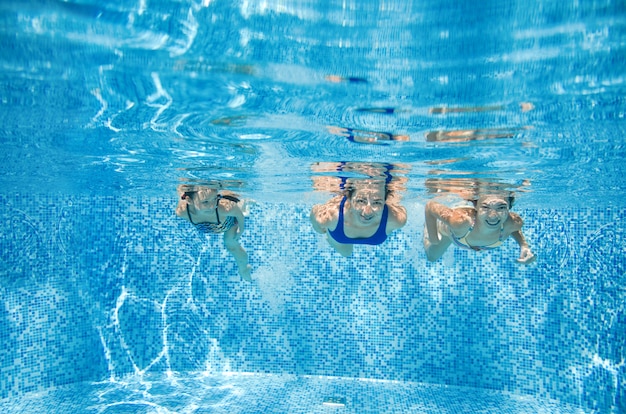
x=268, y=393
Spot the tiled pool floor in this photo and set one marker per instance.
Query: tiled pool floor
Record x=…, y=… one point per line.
x=266, y=393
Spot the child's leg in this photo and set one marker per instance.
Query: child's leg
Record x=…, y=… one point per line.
x=240, y=255
x=435, y=251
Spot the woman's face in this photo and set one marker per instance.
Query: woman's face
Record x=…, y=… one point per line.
x=367, y=205
x=492, y=211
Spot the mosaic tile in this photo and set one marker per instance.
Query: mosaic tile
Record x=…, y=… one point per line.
x=241, y=393
x=120, y=286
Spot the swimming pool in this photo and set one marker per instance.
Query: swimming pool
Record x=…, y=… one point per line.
x=113, y=304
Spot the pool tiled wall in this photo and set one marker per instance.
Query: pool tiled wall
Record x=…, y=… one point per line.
x=94, y=288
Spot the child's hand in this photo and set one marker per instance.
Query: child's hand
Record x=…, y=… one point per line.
x=526, y=256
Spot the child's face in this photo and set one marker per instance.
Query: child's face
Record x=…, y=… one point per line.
x=205, y=200
x=493, y=211
x=367, y=205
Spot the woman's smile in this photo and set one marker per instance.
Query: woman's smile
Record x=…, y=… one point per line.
x=367, y=218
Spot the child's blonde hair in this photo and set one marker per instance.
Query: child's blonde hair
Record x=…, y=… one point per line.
x=197, y=191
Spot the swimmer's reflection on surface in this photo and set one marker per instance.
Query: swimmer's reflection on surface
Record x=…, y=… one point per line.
x=235, y=120
x=203, y=66
x=468, y=188
x=346, y=79
x=365, y=211
x=484, y=222
x=442, y=110
x=362, y=136
x=475, y=134
x=464, y=135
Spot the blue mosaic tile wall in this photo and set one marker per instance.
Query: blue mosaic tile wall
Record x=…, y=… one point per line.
x=96, y=288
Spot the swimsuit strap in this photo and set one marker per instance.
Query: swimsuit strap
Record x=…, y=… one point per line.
x=340, y=218
x=225, y=197
x=217, y=214
x=228, y=197
x=217, y=203
x=189, y=215
x=472, y=228
x=462, y=238
x=462, y=241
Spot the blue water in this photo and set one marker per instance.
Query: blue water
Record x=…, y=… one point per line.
x=109, y=305
x=151, y=87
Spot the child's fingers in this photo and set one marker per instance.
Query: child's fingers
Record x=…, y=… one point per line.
x=527, y=258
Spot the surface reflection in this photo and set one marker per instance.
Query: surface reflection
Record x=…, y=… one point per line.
x=341, y=79
x=469, y=188
x=523, y=106
x=213, y=210
x=465, y=135
x=475, y=134
x=202, y=66
x=365, y=211
x=362, y=136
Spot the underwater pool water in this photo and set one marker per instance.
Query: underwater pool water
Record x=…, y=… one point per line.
x=255, y=393
x=111, y=303
x=528, y=96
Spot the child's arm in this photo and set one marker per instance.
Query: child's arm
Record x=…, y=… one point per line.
x=238, y=214
x=233, y=210
x=526, y=256
x=457, y=221
x=433, y=212
x=181, y=208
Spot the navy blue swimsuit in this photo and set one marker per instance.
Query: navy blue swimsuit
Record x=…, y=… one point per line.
x=377, y=238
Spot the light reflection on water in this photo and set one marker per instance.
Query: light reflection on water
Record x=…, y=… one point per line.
x=201, y=91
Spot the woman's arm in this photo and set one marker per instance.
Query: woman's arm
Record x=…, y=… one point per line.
x=397, y=217
x=324, y=216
